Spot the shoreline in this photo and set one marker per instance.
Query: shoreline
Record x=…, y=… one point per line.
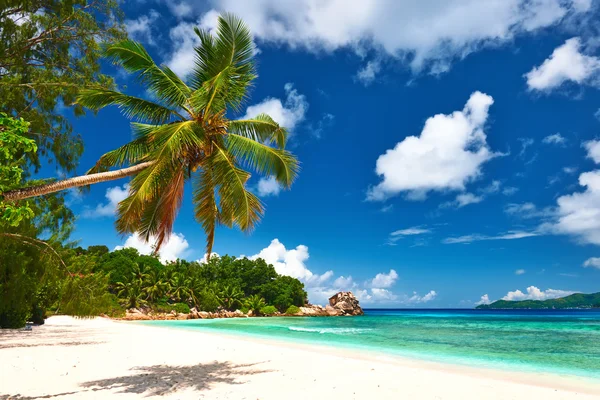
x=97, y=358
x=537, y=378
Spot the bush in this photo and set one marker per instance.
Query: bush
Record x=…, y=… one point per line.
x=245, y=310
x=181, y=308
x=208, y=301
x=292, y=310
x=268, y=310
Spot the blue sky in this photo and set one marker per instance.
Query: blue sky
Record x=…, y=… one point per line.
x=448, y=148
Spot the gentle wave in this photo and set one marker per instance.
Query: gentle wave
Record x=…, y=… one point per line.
x=335, y=331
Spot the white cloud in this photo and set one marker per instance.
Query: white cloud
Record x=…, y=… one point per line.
x=291, y=262
x=519, y=272
x=288, y=114
x=140, y=29
x=182, y=59
x=344, y=282
x=415, y=230
x=114, y=195
x=485, y=299
x=378, y=294
x=556, y=138
x=447, y=155
x=592, y=262
x=171, y=250
x=533, y=293
x=415, y=298
x=268, y=187
x=180, y=9
x=529, y=210
x=428, y=34
x=569, y=170
x=593, y=150
x=368, y=73
x=383, y=280
x=464, y=199
x=509, y=190
x=578, y=214
x=510, y=235
x=566, y=64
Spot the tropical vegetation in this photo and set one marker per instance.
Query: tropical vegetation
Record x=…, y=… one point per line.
x=577, y=300
x=50, y=67
x=185, y=134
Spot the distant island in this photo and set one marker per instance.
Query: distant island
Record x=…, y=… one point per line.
x=577, y=300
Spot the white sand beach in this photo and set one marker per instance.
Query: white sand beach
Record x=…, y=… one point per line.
x=98, y=359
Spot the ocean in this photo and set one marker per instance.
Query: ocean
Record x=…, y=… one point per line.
x=565, y=342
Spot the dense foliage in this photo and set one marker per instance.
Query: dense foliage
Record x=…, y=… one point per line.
x=577, y=300
x=227, y=283
x=14, y=146
x=48, y=51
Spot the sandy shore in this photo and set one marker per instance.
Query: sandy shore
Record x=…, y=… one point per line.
x=99, y=359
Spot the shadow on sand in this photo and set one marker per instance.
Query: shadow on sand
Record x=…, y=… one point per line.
x=159, y=380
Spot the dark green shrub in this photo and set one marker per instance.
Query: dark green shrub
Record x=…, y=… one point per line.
x=292, y=310
x=181, y=308
x=268, y=310
x=208, y=301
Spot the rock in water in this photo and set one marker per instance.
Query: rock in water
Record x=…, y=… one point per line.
x=346, y=303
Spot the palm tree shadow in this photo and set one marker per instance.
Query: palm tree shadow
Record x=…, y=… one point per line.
x=163, y=379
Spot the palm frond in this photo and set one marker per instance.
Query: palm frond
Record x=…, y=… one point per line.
x=264, y=159
x=224, y=63
x=131, y=153
x=206, y=211
x=132, y=107
x=160, y=213
x=236, y=202
x=161, y=81
x=261, y=128
x=144, y=189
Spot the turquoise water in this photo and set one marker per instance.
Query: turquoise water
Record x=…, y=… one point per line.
x=563, y=342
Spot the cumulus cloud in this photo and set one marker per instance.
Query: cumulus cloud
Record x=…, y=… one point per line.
x=556, y=138
x=173, y=249
x=510, y=235
x=287, y=114
x=485, y=299
x=268, y=187
x=140, y=29
x=565, y=64
x=578, y=214
x=291, y=262
x=383, y=280
x=520, y=272
x=448, y=154
x=593, y=150
x=429, y=35
x=114, y=195
x=415, y=298
x=592, y=262
x=533, y=293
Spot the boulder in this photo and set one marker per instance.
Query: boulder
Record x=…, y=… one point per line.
x=346, y=303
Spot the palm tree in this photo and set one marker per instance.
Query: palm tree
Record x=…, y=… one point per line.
x=185, y=135
x=180, y=287
x=154, y=285
x=132, y=293
x=230, y=297
x=255, y=303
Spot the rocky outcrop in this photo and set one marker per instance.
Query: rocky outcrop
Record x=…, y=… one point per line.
x=346, y=303
x=340, y=304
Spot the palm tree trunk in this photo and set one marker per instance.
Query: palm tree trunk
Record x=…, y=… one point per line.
x=84, y=180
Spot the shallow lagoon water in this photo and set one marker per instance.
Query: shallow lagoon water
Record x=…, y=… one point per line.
x=562, y=342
